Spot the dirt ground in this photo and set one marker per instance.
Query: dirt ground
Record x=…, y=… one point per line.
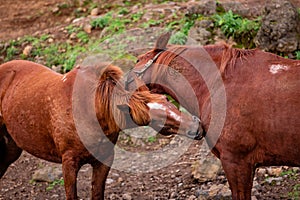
x=23, y=17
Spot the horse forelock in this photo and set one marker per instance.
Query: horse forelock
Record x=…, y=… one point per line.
x=138, y=104
x=111, y=92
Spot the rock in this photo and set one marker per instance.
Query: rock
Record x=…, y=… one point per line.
x=280, y=27
x=87, y=28
x=204, y=7
x=27, y=50
x=192, y=197
x=109, y=181
x=208, y=167
x=253, y=198
x=173, y=195
x=127, y=196
x=274, y=179
x=114, y=197
x=50, y=40
x=55, y=10
x=47, y=174
x=95, y=12
x=73, y=35
x=274, y=171
x=242, y=9
x=219, y=192
x=261, y=172
x=200, y=33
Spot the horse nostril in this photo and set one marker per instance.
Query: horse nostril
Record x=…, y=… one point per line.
x=191, y=134
x=195, y=135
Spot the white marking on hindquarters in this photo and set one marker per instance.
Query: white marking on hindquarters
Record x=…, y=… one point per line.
x=274, y=69
x=64, y=78
x=156, y=106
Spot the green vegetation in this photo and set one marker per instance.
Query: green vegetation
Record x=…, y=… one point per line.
x=54, y=183
x=101, y=22
x=240, y=29
x=151, y=139
x=298, y=55
x=63, y=53
x=295, y=193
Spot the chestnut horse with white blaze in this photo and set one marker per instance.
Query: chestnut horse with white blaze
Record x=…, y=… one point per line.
x=262, y=102
x=37, y=115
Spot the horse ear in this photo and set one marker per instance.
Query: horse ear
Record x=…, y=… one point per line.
x=162, y=41
x=124, y=108
x=140, y=85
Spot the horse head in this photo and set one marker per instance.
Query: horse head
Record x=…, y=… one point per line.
x=146, y=108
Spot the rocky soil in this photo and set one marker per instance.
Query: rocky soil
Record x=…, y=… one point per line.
x=194, y=174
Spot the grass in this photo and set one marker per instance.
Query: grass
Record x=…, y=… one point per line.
x=51, y=185
x=298, y=55
x=295, y=193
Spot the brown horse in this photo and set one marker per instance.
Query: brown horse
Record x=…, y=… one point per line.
x=49, y=115
x=260, y=124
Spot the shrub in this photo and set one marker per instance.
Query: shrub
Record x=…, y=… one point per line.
x=240, y=29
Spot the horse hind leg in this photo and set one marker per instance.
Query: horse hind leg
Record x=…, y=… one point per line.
x=9, y=151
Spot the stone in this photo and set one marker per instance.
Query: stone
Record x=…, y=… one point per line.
x=242, y=9
x=109, y=181
x=280, y=27
x=27, y=50
x=208, y=167
x=261, y=171
x=87, y=28
x=47, y=174
x=274, y=171
x=95, y=12
x=127, y=196
x=204, y=7
x=200, y=32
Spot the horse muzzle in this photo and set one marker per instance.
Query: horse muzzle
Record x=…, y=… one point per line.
x=199, y=133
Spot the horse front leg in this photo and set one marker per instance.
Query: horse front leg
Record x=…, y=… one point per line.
x=70, y=168
x=100, y=173
x=9, y=151
x=239, y=174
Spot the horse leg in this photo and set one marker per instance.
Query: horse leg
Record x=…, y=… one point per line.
x=9, y=151
x=70, y=166
x=100, y=173
x=240, y=175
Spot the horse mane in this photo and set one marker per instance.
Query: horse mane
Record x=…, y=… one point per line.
x=165, y=59
x=229, y=55
x=111, y=93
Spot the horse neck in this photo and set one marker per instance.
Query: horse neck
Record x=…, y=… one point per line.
x=199, y=83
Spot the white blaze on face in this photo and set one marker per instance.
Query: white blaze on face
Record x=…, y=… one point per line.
x=175, y=116
x=274, y=69
x=156, y=106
